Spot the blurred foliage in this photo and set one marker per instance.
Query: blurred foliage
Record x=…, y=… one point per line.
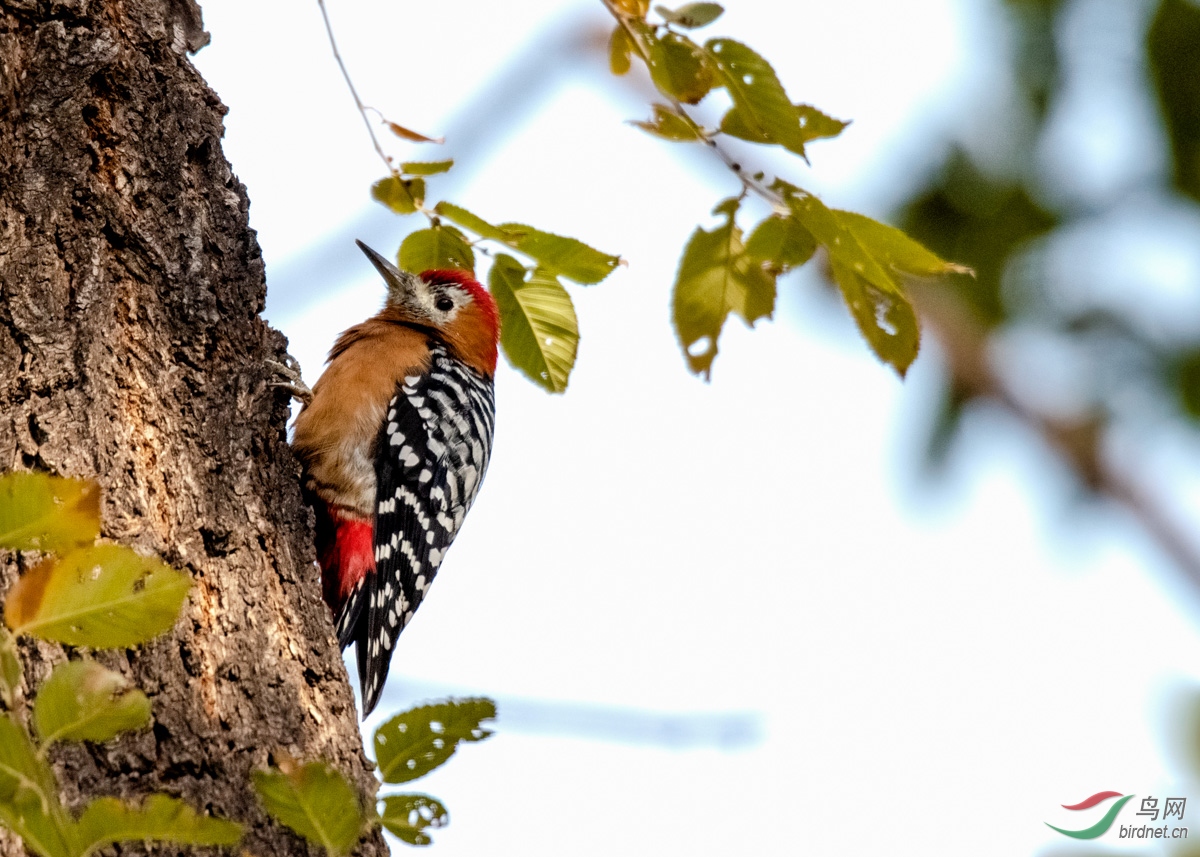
x=1173, y=49
x=991, y=207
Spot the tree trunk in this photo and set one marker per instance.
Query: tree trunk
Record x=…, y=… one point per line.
x=131, y=351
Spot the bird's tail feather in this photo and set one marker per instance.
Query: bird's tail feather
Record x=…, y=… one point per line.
x=346, y=552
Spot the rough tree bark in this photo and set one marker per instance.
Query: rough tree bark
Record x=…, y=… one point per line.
x=131, y=351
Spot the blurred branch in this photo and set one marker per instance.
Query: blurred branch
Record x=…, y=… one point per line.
x=964, y=340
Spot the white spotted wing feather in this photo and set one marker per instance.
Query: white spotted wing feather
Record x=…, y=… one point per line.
x=431, y=456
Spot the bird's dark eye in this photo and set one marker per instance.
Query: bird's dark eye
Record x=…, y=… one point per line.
x=444, y=304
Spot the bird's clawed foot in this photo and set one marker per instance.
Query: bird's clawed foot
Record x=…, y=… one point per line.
x=290, y=378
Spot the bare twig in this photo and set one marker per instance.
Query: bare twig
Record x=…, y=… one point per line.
x=362, y=109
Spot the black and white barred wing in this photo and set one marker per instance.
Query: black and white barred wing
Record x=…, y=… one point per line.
x=431, y=457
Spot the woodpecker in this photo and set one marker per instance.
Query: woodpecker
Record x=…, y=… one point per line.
x=395, y=440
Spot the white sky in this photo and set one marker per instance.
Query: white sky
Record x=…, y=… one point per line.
x=919, y=672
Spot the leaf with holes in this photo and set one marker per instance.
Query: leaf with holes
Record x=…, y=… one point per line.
x=413, y=743
x=47, y=513
x=105, y=597
x=407, y=817
x=670, y=125
x=781, y=243
x=403, y=196
x=620, y=51
x=691, y=16
x=761, y=112
x=678, y=66
x=566, y=257
x=871, y=290
x=439, y=246
x=716, y=277
x=314, y=800
x=538, y=328
x=159, y=818
x=29, y=804
x=815, y=125
x=830, y=231
x=426, y=168
x=10, y=670
x=886, y=319
x=83, y=701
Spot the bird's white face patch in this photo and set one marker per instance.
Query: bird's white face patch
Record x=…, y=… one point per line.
x=436, y=303
x=442, y=301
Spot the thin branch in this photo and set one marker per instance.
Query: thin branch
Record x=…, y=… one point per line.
x=362, y=109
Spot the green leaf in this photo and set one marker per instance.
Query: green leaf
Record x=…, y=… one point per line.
x=566, y=257
x=438, y=247
x=828, y=228
x=871, y=290
x=105, y=597
x=1173, y=64
x=538, y=328
x=717, y=277
x=10, y=670
x=47, y=513
x=407, y=817
x=474, y=223
x=815, y=125
x=413, y=743
x=895, y=249
x=671, y=125
x=426, y=168
x=1186, y=381
x=761, y=112
x=691, y=15
x=83, y=701
x=812, y=124
x=886, y=319
x=160, y=818
x=678, y=66
x=402, y=196
x=620, y=51
x=315, y=801
x=782, y=243
x=29, y=804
